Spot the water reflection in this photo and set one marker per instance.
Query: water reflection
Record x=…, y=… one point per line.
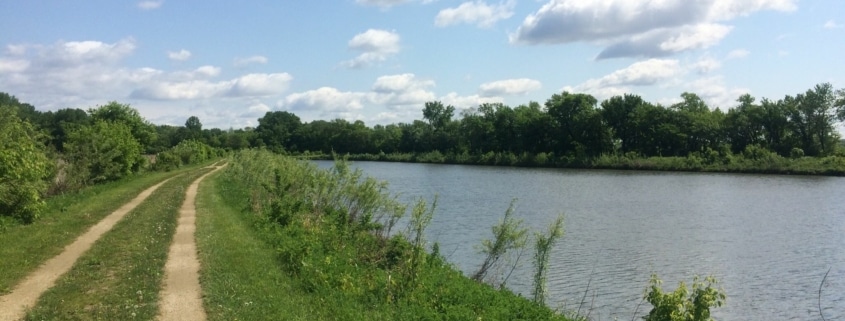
x=768, y=239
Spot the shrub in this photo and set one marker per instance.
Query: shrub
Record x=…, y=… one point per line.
x=681, y=304
x=103, y=151
x=24, y=168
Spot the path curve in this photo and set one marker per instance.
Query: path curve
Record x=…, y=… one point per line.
x=13, y=305
x=181, y=296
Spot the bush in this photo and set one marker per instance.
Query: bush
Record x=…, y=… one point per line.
x=24, y=168
x=103, y=151
x=681, y=304
x=185, y=153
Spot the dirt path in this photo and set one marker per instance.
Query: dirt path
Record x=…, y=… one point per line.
x=181, y=297
x=13, y=306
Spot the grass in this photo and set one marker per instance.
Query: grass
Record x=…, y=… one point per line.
x=240, y=276
x=25, y=247
x=119, y=278
x=293, y=239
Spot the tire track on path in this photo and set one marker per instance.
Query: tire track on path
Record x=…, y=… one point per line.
x=181, y=294
x=24, y=295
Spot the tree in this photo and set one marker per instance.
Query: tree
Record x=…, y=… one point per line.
x=24, y=167
x=194, y=128
x=744, y=124
x=813, y=115
x=437, y=115
x=618, y=113
x=277, y=128
x=140, y=128
x=580, y=129
x=103, y=151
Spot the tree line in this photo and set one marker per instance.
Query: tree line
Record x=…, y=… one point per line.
x=576, y=125
x=49, y=152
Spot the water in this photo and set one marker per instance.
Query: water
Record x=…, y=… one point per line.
x=768, y=239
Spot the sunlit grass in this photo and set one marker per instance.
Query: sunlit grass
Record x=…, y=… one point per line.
x=24, y=247
x=119, y=278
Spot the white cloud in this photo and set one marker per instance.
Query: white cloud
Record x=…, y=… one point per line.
x=16, y=50
x=150, y=5
x=202, y=72
x=738, y=54
x=643, y=73
x=180, y=55
x=327, y=100
x=240, y=62
x=403, y=90
x=260, y=84
x=13, y=65
x=60, y=74
x=630, y=28
x=694, y=37
x=375, y=46
x=831, y=24
x=706, y=65
x=477, y=12
x=466, y=102
x=714, y=91
x=255, y=110
x=519, y=86
x=251, y=85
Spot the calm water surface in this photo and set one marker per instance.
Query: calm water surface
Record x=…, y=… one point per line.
x=768, y=239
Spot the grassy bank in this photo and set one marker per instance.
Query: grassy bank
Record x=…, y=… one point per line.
x=752, y=161
x=25, y=247
x=120, y=276
x=335, y=253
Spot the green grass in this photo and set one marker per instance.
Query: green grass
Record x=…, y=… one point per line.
x=268, y=253
x=119, y=278
x=24, y=247
x=240, y=276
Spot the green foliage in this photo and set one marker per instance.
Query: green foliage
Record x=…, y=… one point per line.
x=115, y=112
x=543, y=244
x=103, y=151
x=508, y=235
x=331, y=231
x=683, y=304
x=187, y=152
x=24, y=167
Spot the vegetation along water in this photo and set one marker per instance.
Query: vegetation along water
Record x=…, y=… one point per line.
x=339, y=237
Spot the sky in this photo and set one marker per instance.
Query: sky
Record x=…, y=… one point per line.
x=379, y=61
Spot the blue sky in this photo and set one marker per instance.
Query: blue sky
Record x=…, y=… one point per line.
x=379, y=61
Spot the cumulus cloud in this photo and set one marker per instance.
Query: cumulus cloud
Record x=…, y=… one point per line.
x=13, y=65
x=251, y=85
x=466, y=102
x=638, y=28
x=150, y=5
x=325, y=100
x=738, y=54
x=403, y=90
x=65, y=72
x=706, y=65
x=374, y=45
x=255, y=110
x=260, y=84
x=831, y=24
x=241, y=62
x=715, y=92
x=519, y=86
x=180, y=55
x=477, y=12
x=644, y=73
